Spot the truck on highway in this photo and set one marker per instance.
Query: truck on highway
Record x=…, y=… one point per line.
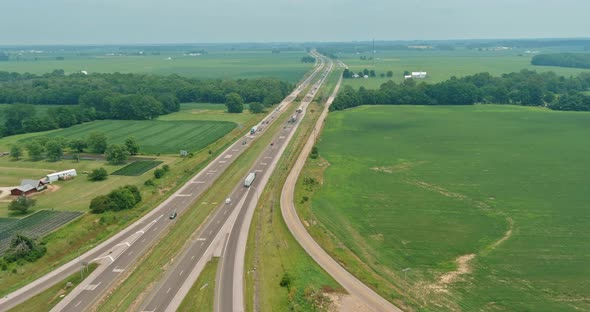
x=249, y=179
x=300, y=109
x=293, y=118
x=253, y=130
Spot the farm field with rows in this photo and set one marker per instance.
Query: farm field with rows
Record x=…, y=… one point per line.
x=36, y=225
x=137, y=168
x=474, y=208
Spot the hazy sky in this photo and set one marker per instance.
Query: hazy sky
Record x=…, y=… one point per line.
x=188, y=21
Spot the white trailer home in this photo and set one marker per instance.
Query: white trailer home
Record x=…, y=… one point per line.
x=62, y=175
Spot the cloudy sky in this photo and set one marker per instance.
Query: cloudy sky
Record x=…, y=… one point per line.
x=190, y=21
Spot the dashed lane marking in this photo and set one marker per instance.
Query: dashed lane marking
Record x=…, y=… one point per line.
x=118, y=270
x=91, y=287
x=183, y=195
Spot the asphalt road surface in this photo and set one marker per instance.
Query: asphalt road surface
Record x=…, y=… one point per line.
x=168, y=295
x=229, y=292
x=370, y=299
x=120, y=252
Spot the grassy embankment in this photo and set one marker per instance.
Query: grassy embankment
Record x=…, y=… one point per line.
x=89, y=230
x=456, y=208
x=273, y=252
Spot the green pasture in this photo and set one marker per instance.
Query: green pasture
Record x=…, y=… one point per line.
x=216, y=64
x=409, y=189
x=153, y=136
x=137, y=168
x=212, y=111
x=441, y=65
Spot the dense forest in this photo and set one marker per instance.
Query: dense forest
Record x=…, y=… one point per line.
x=116, y=96
x=523, y=88
x=576, y=60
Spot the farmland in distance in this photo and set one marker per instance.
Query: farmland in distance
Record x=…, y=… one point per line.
x=456, y=208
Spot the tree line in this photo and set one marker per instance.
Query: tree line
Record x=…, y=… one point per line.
x=521, y=88
x=576, y=60
x=116, y=96
x=53, y=148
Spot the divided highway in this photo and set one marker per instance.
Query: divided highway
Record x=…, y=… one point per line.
x=224, y=233
x=120, y=252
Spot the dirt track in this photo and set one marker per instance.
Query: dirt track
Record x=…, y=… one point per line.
x=365, y=298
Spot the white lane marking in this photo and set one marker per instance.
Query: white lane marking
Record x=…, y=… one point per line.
x=93, y=287
x=209, y=173
x=267, y=157
x=263, y=164
x=228, y=156
x=212, y=170
x=180, y=274
x=124, y=243
x=169, y=289
x=235, y=150
x=140, y=231
x=198, y=182
x=183, y=195
x=192, y=257
x=118, y=270
x=112, y=260
x=77, y=304
x=282, y=137
x=222, y=161
x=201, y=239
x=258, y=170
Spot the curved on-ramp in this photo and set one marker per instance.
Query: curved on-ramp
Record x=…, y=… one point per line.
x=354, y=286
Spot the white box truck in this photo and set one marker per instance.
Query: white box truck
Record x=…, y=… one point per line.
x=249, y=179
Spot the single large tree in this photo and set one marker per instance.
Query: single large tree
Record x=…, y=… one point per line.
x=15, y=152
x=117, y=154
x=21, y=205
x=35, y=150
x=234, y=103
x=78, y=145
x=54, y=150
x=97, y=141
x=132, y=145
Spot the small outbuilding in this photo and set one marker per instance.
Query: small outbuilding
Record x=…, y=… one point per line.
x=28, y=187
x=62, y=175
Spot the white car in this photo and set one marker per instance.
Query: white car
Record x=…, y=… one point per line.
x=228, y=200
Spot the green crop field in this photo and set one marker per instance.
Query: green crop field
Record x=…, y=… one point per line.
x=216, y=64
x=36, y=225
x=441, y=65
x=137, y=168
x=479, y=208
x=210, y=111
x=154, y=136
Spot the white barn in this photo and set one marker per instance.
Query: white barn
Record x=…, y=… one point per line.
x=419, y=75
x=62, y=175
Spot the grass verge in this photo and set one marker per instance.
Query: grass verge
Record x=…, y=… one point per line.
x=46, y=300
x=202, y=294
x=274, y=256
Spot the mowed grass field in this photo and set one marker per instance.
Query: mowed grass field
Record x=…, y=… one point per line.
x=496, y=195
x=215, y=64
x=441, y=65
x=153, y=136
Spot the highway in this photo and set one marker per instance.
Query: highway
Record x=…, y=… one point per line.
x=120, y=252
x=218, y=235
x=368, y=298
x=229, y=292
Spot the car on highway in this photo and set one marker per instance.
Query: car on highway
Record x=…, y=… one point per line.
x=173, y=215
x=228, y=200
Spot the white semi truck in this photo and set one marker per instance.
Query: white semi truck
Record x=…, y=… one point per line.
x=300, y=109
x=249, y=179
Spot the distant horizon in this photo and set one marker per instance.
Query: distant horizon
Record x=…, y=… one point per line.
x=213, y=43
